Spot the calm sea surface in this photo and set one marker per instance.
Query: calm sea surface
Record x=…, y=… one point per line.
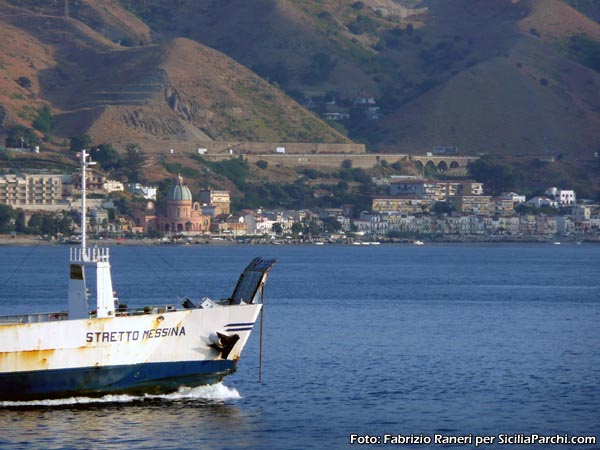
x=448, y=339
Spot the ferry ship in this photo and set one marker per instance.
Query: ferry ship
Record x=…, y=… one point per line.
x=109, y=349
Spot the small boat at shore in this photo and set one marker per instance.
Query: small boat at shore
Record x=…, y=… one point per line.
x=111, y=349
x=417, y=242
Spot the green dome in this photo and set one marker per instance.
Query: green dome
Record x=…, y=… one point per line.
x=179, y=192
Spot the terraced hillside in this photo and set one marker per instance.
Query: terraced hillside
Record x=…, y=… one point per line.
x=510, y=77
x=180, y=89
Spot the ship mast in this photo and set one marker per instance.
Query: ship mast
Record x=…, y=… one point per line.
x=82, y=257
x=84, y=165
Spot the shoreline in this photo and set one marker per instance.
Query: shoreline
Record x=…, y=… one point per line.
x=6, y=240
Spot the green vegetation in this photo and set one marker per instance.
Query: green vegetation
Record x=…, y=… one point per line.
x=362, y=24
x=80, y=142
x=585, y=50
x=236, y=169
x=182, y=170
x=133, y=163
x=7, y=214
x=20, y=136
x=497, y=176
x=24, y=82
x=262, y=164
x=44, y=121
x=320, y=69
x=107, y=157
x=49, y=224
x=522, y=208
x=587, y=7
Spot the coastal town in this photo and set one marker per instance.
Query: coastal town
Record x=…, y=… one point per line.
x=413, y=209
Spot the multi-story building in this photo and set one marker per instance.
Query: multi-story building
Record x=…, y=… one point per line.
x=404, y=205
x=540, y=201
x=504, y=206
x=473, y=204
x=114, y=186
x=581, y=213
x=148, y=192
x=94, y=181
x=30, y=189
x=516, y=198
x=433, y=189
x=220, y=200
x=562, y=196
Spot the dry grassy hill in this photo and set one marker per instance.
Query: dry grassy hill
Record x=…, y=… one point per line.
x=498, y=76
x=179, y=90
x=511, y=77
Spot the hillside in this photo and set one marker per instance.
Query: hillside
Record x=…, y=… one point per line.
x=499, y=76
x=179, y=90
x=511, y=78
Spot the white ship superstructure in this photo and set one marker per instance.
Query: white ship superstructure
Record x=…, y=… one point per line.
x=110, y=349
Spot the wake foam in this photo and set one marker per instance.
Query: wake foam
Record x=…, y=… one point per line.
x=216, y=392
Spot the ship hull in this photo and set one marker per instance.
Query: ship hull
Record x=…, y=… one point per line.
x=145, y=353
x=135, y=379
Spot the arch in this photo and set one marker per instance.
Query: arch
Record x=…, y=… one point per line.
x=419, y=165
x=442, y=166
x=430, y=166
x=454, y=165
x=179, y=227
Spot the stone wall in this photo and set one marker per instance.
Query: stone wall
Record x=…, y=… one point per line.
x=237, y=148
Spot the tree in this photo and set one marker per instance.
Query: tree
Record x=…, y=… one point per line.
x=442, y=208
x=134, y=163
x=24, y=82
x=7, y=215
x=20, y=222
x=320, y=69
x=80, y=142
x=332, y=224
x=297, y=228
x=262, y=164
x=20, y=136
x=35, y=224
x=107, y=156
x=277, y=228
x=497, y=177
x=44, y=121
x=362, y=24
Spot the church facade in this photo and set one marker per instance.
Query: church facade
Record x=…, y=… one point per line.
x=183, y=215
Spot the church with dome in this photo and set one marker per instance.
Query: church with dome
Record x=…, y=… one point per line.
x=183, y=215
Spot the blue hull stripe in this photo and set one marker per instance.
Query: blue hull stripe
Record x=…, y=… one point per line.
x=239, y=329
x=148, y=378
x=239, y=324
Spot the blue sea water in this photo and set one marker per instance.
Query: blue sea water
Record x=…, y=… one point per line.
x=368, y=340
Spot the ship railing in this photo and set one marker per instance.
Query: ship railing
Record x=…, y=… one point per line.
x=33, y=318
x=89, y=254
x=138, y=311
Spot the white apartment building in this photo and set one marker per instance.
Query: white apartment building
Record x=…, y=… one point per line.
x=514, y=197
x=113, y=186
x=433, y=189
x=581, y=213
x=562, y=196
x=148, y=192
